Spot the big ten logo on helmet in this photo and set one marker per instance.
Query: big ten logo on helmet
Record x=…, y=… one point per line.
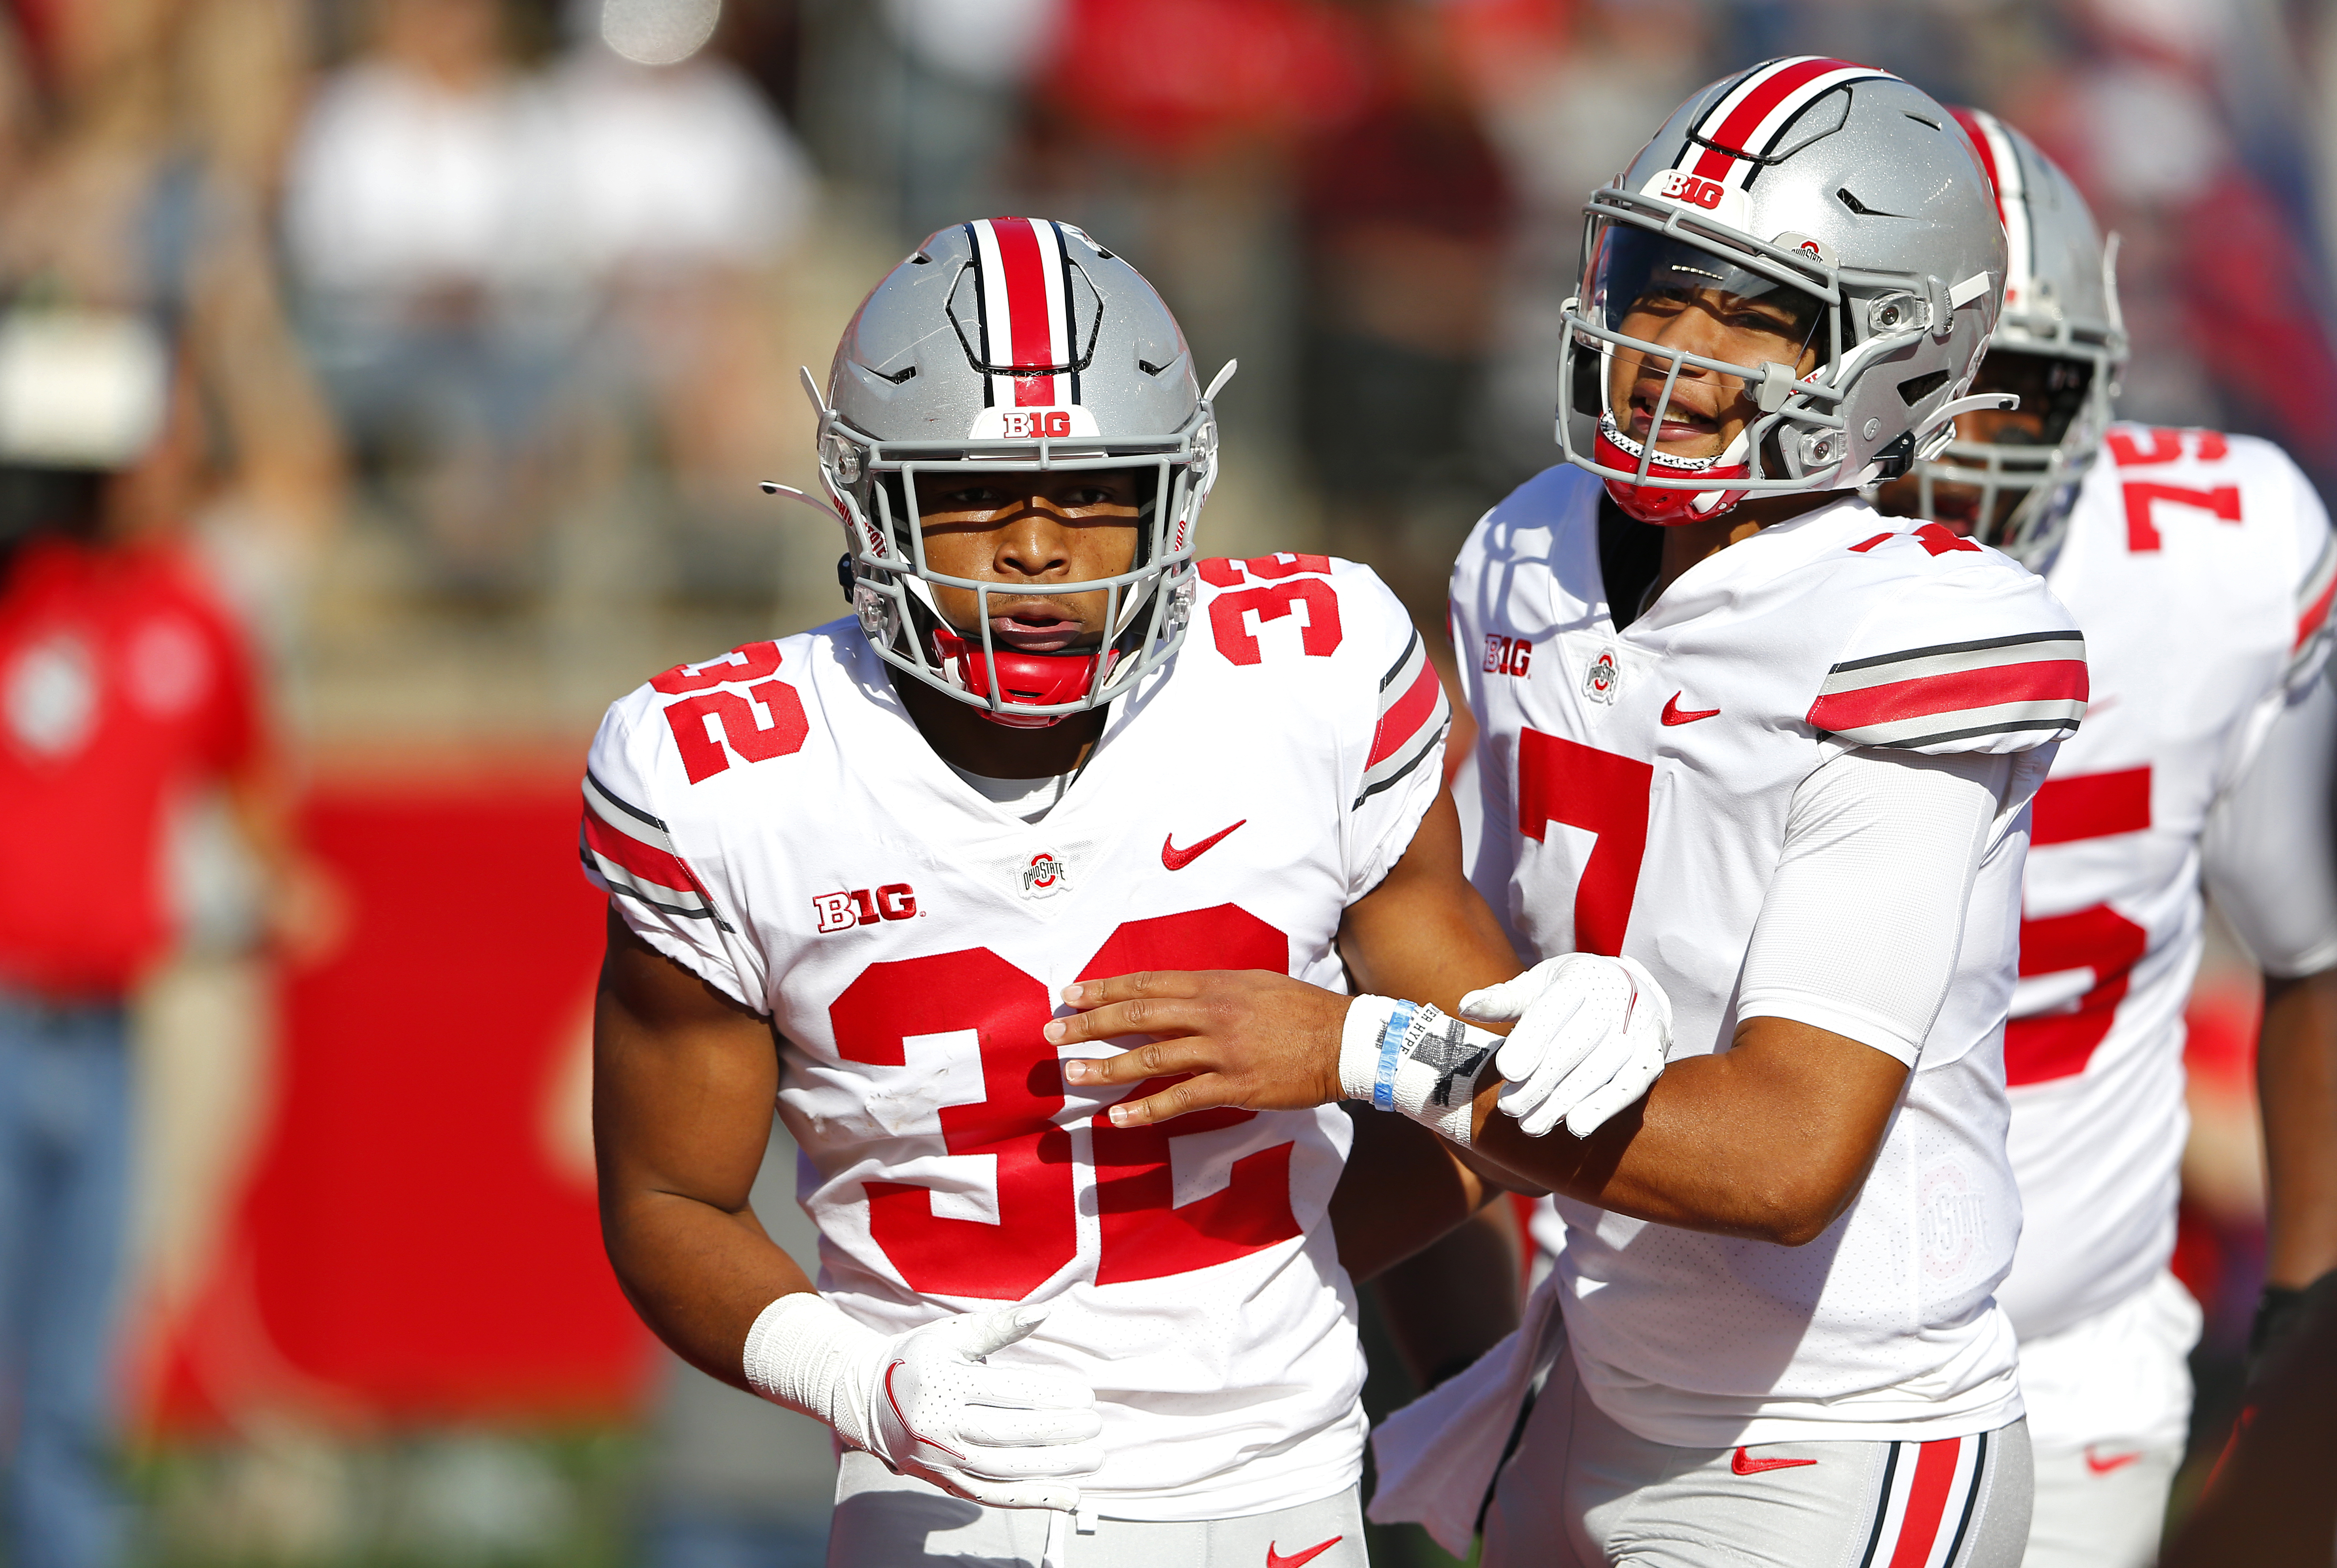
x=864, y=906
x=1507, y=655
x=1678, y=185
x=1029, y=423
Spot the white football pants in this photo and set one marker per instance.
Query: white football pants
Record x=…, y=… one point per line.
x=888, y=1521
x=1582, y=1492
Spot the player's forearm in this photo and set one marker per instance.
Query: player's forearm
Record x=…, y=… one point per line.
x=698, y=1275
x=1401, y=1192
x=1770, y=1141
x=2296, y=1080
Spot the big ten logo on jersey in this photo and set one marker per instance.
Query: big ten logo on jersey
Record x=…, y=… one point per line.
x=864, y=906
x=1507, y=655
x=711, y=723
x=2151, y=448
x=1003, y=1223
x=1269, y=588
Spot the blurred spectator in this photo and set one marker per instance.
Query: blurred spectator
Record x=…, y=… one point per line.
x=422, y=215
x=682, y=191
x=123, y=686
x=1406, y=210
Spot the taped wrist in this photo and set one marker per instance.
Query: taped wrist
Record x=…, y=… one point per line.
x=804, y=1354
x=1413, y=1059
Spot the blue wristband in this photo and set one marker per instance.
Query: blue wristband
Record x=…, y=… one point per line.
x=1392, y=1035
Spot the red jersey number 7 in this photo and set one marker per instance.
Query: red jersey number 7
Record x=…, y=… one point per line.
x=1580, y=786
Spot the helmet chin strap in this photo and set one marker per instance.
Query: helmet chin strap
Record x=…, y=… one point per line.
x=1038, y=679
x=1667, y=507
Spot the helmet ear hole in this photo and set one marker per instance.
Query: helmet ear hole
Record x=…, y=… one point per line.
x=1913, y=391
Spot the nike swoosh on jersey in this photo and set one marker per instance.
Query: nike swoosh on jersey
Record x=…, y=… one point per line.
x=1672, y=715
x=1744, y=1464
x=2115, y=1462
x=1177, y=860
x=1275, y=1559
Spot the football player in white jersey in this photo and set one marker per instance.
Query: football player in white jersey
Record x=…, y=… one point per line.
x=850, y=867
x=2201, y=569
x=1773, y=756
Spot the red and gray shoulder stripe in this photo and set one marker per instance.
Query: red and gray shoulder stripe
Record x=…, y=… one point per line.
x=2314, y=597
x=1748, y=122
x=629, y=852
x=1932, y=1493
x=1414, y=716
x=1022, y=290
x=2000, y=160
x=1957, y=696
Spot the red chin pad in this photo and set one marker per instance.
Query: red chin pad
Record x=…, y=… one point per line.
x=1665, y=508
x=1040, y=680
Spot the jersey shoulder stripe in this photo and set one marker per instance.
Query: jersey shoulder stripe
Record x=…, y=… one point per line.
x=1412, y=717
x=630, y=853
x=2315, y=596
x=1956, y=694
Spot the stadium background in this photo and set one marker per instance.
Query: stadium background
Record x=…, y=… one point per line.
x=510, y=321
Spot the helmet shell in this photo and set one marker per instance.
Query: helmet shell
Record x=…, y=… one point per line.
x=1013, y=344
x=2061, y=303
x=1850, y=185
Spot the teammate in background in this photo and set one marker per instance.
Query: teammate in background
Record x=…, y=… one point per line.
x=2201, y=569
x=1775, y=752
x=852, y=867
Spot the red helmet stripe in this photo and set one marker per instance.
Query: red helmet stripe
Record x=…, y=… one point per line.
x=1762, y=104
x=2000, y=162
x=1024, y=271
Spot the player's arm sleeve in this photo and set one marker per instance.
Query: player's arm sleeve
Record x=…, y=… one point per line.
x=1863, y=924
x=1974, y=658
x=628, y=848
x=2316, y=588
x=2270, y=864
x=1403, y=761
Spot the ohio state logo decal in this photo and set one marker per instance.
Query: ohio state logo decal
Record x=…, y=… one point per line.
x=1045, y=876
x=1602, y=680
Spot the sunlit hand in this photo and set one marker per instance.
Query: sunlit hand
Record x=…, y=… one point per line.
x=1249, y=1038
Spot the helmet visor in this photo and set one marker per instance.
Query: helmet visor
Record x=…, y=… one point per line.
x=1689, y=335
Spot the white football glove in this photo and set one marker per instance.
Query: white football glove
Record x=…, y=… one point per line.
x=1590, y=1037
x=928, y=1405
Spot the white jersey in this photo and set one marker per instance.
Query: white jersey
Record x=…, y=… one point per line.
x=778, y=824
x=2200, y=567
x=1644, y=778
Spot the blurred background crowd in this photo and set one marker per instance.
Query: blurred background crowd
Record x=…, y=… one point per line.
x=481, y=318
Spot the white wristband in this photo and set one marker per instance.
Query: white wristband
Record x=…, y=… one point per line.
x=1413, y=1059
x=804, y=1354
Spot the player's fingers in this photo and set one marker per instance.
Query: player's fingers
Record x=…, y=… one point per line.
x=1141, y=1015
x=1597, y=1107
x=1502, y=1004
x=979, y=1334
x=1531, y=1046
x=1004, y=1428
x=1023, y=1464
x=1145, y=983
x=1019, y=1495
x=1206, y=1092
x=1156, y=1060
x=1024, y=1388
x=1604, y=1058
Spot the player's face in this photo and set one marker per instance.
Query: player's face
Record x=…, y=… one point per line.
x=1708, y=411
x=2043, y=387
x=1031, y=529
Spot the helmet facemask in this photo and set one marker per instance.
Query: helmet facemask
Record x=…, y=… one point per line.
x=877, y=485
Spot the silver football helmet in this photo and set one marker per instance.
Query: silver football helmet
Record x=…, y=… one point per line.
x=1014, y=343
x=2061, y=347
x=1834, y=197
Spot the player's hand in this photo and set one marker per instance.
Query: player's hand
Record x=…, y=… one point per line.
x=1003, y=1437
x=1249, y=1038
x=1590, y=1037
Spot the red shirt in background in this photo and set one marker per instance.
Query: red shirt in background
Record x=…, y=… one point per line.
x=124, y=682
